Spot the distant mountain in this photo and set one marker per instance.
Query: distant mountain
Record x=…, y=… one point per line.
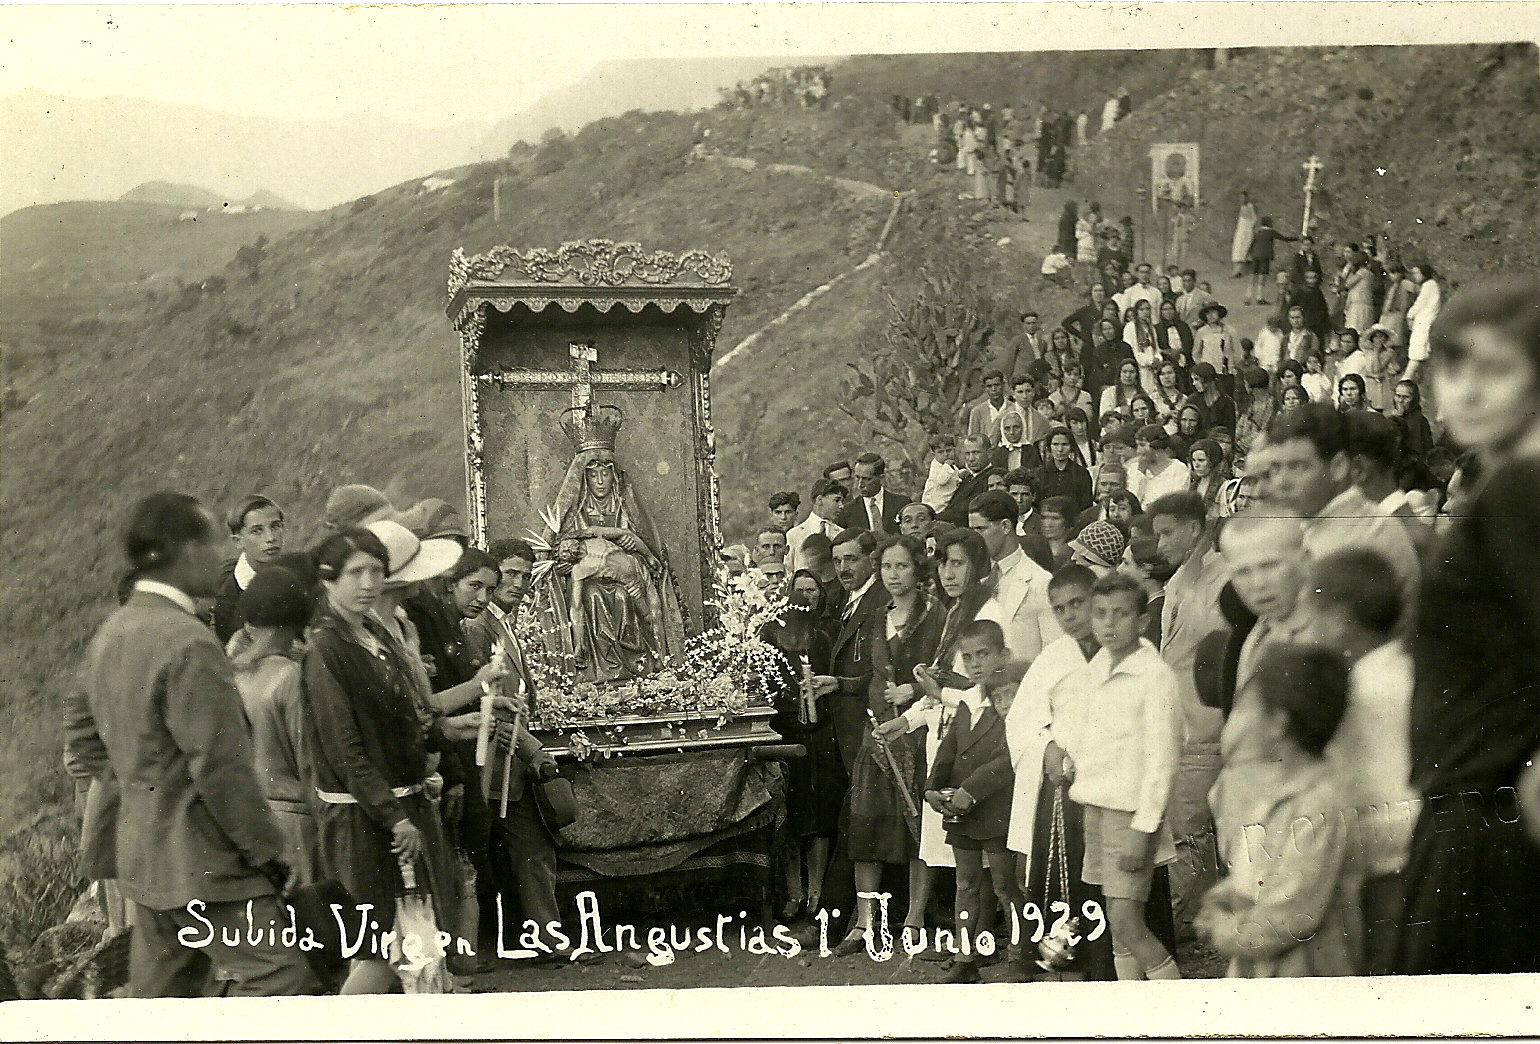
x=270, y=200
x=175, y=195
x=61, y=148
x=613, y=87
x=193, y=196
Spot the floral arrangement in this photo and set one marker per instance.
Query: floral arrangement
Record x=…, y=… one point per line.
x=721, y=673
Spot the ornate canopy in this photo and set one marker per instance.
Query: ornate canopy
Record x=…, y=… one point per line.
x=596, y=272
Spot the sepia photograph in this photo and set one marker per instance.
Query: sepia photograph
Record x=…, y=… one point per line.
x=757, y=521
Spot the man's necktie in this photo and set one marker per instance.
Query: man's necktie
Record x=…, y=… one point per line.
x=874, y=514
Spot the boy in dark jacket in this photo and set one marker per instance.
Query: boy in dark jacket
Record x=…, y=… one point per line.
x=971, y=783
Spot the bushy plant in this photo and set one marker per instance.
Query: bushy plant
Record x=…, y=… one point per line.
x=912, y=381
x=39, y=879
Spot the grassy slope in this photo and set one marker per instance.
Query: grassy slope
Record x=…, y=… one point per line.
x=1413, y=112
x=336, y=364
x=65, y=260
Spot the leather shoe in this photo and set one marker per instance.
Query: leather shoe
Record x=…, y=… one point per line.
x=853, y=943
x=963, y=971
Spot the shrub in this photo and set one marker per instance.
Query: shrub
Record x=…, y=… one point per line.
x=39, y=879
x=912, y=381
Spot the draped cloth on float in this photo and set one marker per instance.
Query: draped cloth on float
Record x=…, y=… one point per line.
x=653, y=814
x=618, y=611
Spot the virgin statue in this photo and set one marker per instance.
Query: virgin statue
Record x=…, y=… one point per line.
x=612, y=591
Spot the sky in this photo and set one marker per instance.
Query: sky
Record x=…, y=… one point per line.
x=440, y=65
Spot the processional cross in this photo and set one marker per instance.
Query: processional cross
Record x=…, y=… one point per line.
x=1311, y=168
x=583, y=376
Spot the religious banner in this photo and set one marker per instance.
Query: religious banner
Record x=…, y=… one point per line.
x=1174, y=174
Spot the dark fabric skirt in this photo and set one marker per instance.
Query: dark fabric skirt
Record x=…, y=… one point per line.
x=880, y=829
x=356, y=851
x=1472, y=884
x=815, y=783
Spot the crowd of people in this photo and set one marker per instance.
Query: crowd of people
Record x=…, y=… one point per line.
x=806, y=86
x=1212, y=638
x=302, y=727
x=1005, y=151
x=1204, y=636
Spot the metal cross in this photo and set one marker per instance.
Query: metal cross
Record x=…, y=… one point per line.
x=583, y=376
x=583, y=356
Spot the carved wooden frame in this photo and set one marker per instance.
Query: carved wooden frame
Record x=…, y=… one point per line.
x=605, y=275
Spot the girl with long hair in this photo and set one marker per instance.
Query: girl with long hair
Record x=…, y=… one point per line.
x=881, y=831
x=1167, y=395
x=1121, y=395
x=1139, y=334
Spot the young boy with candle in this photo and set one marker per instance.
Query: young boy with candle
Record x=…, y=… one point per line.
x=970, y=785
x=1123, y=740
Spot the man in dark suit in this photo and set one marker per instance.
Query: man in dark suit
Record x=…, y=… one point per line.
x=1082, y=322
x=975, y=453
x=872, y=507
x=864, y=608
x=851, y=655
x=164, y=716
x=1022, y=487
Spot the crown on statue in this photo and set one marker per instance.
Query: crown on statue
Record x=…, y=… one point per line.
x=592, y=427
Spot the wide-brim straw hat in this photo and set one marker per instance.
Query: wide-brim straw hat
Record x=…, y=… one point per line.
x=411, y=559
x=1390, y=335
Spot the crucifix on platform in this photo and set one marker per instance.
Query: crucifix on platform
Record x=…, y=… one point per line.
x=1311, y=168
x=584, y=376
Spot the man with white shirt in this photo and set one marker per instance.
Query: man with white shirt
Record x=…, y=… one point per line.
x=1144, y=290
x=1155, y=472
x=1025, y=349
x=196, y=840
x=1190, y=614
x=983, y=418
x=828, y=498
x=1021, y=585
x=850, y=655
x=1374, y=444
x=256, y=527
x=872, y=507
x=1022, y=487
x=1265, y=554
x=1030, y=724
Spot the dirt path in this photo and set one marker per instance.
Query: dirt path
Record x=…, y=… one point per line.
x=863, y=189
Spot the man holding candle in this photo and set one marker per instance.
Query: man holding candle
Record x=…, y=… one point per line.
x=523, y=854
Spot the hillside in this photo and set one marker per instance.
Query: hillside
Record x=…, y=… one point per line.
x=647, y=84
x=193, y=196
x=68, y=263
x=325, y=357
x=332, y=362
x=1454, y=130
